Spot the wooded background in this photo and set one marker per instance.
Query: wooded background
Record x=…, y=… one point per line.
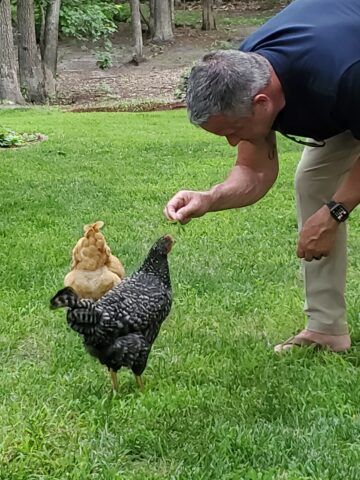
x=30, y=29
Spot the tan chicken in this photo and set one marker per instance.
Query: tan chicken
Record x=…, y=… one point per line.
x=94, y=270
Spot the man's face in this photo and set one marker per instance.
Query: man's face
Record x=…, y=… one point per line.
x=253, y=128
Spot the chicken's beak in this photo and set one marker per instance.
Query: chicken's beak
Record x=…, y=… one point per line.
x=169, y=242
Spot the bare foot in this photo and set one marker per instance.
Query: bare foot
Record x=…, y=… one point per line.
x=335, y=343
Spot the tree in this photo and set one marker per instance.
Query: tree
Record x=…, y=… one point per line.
x=31, y=72
x=152, y=18
x=172, y=12
x=49, y=45
x=9, y=85
x=163, y=31
x=136, y=30
x=208, y=17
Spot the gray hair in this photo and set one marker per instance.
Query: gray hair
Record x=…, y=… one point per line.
x=225, y=82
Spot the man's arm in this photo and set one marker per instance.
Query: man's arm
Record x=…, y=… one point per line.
x=349, y=191
x=317, y=237
x=253, y=175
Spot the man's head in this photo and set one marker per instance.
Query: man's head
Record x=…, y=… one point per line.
x=227, y=95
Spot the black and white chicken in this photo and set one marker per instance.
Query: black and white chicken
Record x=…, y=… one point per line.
x=120, y=328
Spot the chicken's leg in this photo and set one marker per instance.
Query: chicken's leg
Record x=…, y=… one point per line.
x=114, y=380
x=140, y=382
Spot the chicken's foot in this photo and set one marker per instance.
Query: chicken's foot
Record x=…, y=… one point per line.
x=114, y=380
x=140, y=382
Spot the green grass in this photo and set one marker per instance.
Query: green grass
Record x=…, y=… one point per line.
x=218, y=403
x=193, y=18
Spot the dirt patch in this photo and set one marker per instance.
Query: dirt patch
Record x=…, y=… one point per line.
x=82, y=83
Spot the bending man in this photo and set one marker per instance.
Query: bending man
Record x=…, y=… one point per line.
x=299, y=74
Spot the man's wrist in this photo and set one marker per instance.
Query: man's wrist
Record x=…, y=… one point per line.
x=338, y=211
x=212, y=196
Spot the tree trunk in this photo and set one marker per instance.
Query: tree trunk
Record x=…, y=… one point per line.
x=31, y=73
x=42, y=29
x=152, y=18
x=208, y=17
x=51, y=45
x=9, y=85
x=163, y=28
x=172, y=13
x=136, y=31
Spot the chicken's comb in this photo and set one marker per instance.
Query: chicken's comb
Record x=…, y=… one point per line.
x=93, y=226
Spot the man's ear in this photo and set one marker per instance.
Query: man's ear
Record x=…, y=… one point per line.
x=261, y=100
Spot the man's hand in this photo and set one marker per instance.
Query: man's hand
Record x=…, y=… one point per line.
x=317, y=236
x=254, y=173
x=186, y=205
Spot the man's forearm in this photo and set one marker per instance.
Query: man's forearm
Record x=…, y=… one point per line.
x=253, y=175
x=349, y=191
x=242, y=187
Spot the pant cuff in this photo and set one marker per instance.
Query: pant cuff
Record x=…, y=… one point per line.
x=338, y=329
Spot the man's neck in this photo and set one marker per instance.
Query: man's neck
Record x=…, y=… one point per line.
x=278, y=92
x=275, y=91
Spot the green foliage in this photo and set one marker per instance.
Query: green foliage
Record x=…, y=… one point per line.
x=180, y=91
x=189, y=18
x=223, y=45
x=218, y=403
x=103, y=59
x=123, y=13
x=104, y=56
x=88, y=20
x=13, y=9
x=246, y=21
x=84, y=19
x=9, y=138
x=193, y=18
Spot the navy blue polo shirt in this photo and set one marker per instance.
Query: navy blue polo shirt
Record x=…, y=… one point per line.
x=314, y=48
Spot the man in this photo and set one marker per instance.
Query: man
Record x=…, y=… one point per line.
x=298, y=74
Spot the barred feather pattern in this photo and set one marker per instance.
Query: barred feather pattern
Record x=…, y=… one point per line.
x=130, y=351
x=120, y=328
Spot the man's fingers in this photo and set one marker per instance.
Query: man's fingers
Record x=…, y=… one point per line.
x=170, y=212
x=176, y=209
x=184, y=221
x=185, y=214
x=309, y=256
x=173, y=206
x=186, y=205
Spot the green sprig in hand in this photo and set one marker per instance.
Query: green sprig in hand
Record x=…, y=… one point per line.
x=179, y=226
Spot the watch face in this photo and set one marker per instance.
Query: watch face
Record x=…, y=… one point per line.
x=339, y=212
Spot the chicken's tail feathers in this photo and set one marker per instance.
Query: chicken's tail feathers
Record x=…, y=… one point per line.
x=66, y=297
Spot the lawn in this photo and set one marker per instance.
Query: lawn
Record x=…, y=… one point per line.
x=193, y=18
x=218, y=403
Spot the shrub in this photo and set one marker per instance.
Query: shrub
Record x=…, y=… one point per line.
x=88, y=20
x=103, y=60
x=180, y=91
x=10, y=138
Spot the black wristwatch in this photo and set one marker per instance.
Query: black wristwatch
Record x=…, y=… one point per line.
x=338, y=211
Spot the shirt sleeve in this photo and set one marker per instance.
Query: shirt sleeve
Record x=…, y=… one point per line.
x=348, y=100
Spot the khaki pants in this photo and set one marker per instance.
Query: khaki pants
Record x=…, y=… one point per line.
x=318, y=175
